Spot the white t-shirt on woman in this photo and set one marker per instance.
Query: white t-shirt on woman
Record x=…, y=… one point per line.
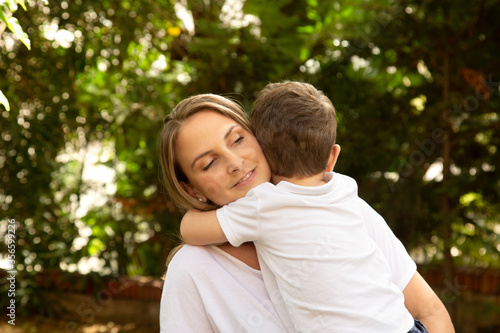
x=208, y=290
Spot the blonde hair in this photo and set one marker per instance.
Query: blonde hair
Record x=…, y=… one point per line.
x=171, y=170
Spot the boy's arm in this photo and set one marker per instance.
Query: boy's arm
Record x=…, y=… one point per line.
x=201, y=228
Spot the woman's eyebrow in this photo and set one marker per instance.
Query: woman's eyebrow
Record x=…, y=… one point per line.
x=200, y=156
x=228, y=133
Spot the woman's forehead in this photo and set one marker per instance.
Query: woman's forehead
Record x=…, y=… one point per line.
x=202, y=131
x=206, y=123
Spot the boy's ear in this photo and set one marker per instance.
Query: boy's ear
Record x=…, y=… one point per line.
x=334, y=155
x=193, y=192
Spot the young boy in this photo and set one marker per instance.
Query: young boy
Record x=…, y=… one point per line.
x=309, y=227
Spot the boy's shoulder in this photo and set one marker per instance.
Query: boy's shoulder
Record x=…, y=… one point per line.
x=339, y=177
x=261, y=189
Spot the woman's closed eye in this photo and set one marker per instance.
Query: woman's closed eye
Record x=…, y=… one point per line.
x=239, y=139
x=210, y=163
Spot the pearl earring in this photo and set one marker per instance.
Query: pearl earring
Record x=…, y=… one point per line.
x=200, y=199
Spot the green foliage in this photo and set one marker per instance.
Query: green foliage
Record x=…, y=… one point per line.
x=7, y=8
x=414, y=83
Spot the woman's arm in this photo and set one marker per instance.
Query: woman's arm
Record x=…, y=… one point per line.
x=201, y=228
x=424, y=305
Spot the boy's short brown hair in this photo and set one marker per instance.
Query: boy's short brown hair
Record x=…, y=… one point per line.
x=296, y=126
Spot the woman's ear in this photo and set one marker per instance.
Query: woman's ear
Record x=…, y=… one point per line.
x=193, y=192
x=334, y=155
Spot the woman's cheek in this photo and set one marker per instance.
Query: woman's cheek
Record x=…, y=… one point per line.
x=211, y=190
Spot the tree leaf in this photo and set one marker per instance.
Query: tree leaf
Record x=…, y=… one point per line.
x=21, y=2
x=15, y=27
x=4, y=101
x=2, y=15
x=12, y=4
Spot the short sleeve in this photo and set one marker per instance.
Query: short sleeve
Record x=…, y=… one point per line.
x=239, y=219
x=402, y=265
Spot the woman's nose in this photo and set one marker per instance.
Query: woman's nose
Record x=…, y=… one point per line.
x=235, y=163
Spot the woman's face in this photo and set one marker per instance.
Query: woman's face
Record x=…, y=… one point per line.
x=221, y=160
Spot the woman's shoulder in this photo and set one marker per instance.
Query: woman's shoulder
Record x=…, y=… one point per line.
x=187, y=263
x=191, y=254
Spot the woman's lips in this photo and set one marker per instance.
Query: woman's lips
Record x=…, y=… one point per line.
x=246, y=179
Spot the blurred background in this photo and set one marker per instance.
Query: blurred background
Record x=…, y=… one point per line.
x=85, y=84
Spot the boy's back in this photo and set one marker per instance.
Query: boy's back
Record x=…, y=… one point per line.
x=330, y=273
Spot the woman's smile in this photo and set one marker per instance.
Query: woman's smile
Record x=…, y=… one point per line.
x=246, y=179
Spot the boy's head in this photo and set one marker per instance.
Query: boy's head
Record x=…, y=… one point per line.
x=296, y=127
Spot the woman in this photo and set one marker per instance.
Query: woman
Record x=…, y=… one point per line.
x=210, y=158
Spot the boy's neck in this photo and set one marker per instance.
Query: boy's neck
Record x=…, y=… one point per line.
x=314, y=180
